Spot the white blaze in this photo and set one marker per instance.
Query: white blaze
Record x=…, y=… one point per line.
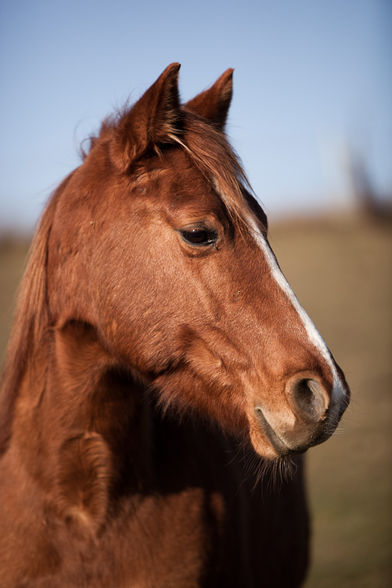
x=315, y=338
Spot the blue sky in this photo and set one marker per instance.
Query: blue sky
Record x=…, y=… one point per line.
x=311, y=77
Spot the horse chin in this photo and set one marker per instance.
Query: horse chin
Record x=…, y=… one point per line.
x=271, y=444
x=265, y=441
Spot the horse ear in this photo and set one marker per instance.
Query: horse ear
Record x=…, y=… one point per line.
x=152, y=120
x=214, y=103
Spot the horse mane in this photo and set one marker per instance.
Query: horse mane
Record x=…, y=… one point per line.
x=31, y=318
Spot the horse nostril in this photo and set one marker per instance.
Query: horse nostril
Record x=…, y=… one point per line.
x=310, y=398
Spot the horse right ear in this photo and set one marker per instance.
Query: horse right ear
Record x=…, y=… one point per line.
x=152, y=120
x=213, y=104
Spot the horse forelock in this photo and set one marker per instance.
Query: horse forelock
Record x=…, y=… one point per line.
x=212, y=154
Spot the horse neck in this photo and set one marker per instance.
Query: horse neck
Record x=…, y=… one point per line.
x=81, y=425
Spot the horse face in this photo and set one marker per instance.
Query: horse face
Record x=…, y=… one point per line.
x=179, y=291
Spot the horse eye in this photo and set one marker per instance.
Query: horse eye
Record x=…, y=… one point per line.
x=199, y=236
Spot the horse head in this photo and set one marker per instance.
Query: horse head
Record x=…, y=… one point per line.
x=158, y=247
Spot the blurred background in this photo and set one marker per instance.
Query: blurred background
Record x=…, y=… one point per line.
x=312, y=121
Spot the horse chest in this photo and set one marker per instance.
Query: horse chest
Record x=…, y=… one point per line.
x=159, y=541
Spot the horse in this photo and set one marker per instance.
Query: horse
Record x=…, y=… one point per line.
x=160, y=370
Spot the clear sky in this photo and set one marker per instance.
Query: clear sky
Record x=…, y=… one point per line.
x=311, y=77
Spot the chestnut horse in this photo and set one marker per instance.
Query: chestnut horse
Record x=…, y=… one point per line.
x=158, y=354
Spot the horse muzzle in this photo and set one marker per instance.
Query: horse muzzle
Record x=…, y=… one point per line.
x=310, y=416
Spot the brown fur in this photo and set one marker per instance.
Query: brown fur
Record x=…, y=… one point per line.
x=136, y=365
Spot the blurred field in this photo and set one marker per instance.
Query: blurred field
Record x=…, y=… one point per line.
x=341, y=270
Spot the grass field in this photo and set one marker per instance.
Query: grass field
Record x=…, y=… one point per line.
x=341, y=270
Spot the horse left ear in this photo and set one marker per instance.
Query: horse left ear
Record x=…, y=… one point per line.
x=152, y=120
x=214, y=103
